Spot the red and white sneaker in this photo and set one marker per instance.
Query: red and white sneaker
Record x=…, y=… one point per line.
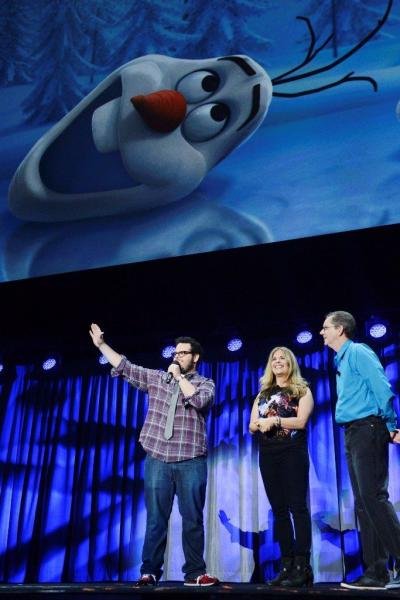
x=146, y=579
x=202, y=581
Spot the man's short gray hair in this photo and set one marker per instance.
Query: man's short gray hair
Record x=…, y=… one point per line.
x=345, y=319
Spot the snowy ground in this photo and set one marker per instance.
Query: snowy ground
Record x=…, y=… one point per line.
x=324, y=173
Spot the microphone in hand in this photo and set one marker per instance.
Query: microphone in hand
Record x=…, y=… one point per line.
x=170, y=374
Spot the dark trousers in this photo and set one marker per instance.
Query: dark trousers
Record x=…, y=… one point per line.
x=366, y=445
x=188, y=480
x=284, y=470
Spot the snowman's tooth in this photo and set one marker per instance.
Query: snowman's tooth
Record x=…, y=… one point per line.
x=105, y=126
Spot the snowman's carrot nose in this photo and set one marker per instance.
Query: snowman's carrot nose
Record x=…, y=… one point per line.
x=163, y=111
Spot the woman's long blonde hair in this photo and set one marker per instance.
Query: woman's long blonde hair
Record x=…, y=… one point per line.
x=296, y=384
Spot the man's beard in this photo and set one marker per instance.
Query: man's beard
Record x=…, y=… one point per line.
x=190, y=367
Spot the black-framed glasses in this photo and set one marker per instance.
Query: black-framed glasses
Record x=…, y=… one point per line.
x=327, y=327
x=181, y=353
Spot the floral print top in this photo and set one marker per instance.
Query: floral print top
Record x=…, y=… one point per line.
x=277, y=401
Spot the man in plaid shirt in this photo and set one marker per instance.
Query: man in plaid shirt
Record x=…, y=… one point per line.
x=175, y=441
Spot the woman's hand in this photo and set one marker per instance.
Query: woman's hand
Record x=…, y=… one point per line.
x=96, y=334
x=266, y=424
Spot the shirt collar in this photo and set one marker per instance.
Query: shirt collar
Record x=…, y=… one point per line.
x=340, y=353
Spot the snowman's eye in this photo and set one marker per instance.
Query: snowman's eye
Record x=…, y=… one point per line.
x=198, y=86
x=205, y=122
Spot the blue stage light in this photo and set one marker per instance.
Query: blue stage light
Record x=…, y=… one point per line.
x=303, y=337
x=167, y=351
x=103, y=360
x=1, y=367
x=234, y=344
x=377, y=330
x=377, y=327
x=49, y=363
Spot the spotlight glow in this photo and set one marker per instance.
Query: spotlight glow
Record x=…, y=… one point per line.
x=304, y=337
x=167, y=351
x=234, y=344
x=103, y=360
x=49, y=363
x=377, y=330
x=1, y=367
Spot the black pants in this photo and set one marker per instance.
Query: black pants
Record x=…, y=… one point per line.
x=284, y=470
x=366, y=445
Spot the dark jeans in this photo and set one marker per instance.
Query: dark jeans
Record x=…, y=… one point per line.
x=188, y=480
x=366, y=445
x=284, y=471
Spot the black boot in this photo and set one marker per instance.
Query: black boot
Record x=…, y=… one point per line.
x=300, y=575
x=284, y=573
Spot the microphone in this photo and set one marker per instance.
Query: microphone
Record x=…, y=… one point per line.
x=169, y=374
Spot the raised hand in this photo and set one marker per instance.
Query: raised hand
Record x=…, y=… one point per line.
x=96, y=334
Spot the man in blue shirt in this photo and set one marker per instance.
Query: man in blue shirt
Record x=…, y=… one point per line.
x=365, y=409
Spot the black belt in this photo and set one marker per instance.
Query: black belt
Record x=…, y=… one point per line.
x=371, y=418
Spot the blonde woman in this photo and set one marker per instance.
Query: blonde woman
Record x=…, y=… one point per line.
x=279, y=417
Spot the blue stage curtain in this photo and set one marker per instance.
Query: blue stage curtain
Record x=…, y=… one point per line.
x=71, y=479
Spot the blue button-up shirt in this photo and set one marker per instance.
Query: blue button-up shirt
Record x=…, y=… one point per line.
x=362, y=386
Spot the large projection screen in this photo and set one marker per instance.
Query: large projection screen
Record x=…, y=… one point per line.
x=134, y=131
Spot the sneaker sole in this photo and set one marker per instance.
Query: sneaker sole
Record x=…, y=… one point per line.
x=349, y=586
x=199, y=584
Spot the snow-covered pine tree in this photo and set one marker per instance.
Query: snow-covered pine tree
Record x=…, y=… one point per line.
x=17, y=29
x=221, y=27
x=348, y=20
x=58, y=63
x=100, y=18
x=150, y=26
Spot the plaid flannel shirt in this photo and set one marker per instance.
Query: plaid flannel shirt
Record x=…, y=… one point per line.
x=189, y=435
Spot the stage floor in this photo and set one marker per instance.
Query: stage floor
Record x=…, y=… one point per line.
x=174, y=589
